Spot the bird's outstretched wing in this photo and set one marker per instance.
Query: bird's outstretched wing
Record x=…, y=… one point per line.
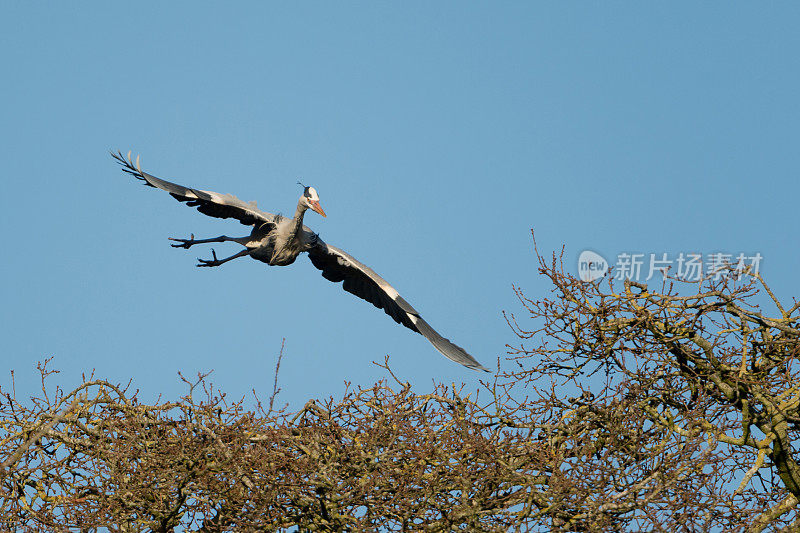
x=209, y=203
x=337, y=265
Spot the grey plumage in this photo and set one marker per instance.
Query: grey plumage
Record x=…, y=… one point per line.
x=277, y=240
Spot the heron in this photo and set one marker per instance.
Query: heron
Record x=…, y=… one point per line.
x=278, y=241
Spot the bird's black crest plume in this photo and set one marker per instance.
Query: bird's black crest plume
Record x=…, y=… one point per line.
x=305, y=188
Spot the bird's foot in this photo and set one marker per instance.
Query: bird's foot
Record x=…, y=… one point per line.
x=183, y=243
x=209, y=262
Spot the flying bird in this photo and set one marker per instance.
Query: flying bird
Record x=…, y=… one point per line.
x=277, y=241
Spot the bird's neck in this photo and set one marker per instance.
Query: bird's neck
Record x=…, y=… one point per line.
x=297, y=221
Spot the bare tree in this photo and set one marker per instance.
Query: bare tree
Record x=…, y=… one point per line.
x=623, y=408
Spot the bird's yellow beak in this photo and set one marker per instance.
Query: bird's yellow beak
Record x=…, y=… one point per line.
x=316, y=207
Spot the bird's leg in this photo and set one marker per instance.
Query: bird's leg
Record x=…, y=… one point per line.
x=191, y=241
x=217, y=262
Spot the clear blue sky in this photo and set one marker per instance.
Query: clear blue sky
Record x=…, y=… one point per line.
x=437, y=134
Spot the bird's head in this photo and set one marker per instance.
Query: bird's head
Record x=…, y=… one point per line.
x=310, y=199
